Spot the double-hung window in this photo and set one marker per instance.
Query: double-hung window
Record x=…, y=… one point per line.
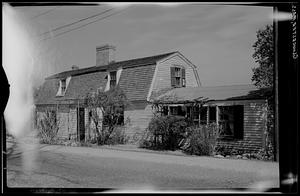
x=178, y=77
x=113, y=79
x=63, y=86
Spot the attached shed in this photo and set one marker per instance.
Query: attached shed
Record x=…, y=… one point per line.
x=240, y=111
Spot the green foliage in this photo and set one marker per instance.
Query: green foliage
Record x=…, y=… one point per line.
x=106, y=107
x=270, y=142
x=200, y=140
x=225, y=150
x=164, y=132
x=264, y=56
x=48, y=128
x=117, y=136
x=265, y=155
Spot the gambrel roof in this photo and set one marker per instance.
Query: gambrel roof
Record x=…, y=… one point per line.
x=135, y=80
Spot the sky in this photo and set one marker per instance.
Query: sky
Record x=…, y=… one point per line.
x=218, y=39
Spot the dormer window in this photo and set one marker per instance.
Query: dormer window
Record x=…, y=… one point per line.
x=113, y=79
x=63, y=86
x=63, y=83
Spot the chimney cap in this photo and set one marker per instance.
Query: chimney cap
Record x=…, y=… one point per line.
x=74, y=67
x=105, y=46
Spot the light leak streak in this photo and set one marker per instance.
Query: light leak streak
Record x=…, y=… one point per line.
x=282, y=16
x=18, y=62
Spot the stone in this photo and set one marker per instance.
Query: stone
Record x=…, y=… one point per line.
x=239, y=156
x=73, y=144
x=227, y=156
x=219, y=156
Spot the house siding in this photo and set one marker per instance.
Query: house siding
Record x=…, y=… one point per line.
x=255, y=125
x=63, y=124
x=73, y=123
x=66, y=118
x=139, y=114
x=162, y=78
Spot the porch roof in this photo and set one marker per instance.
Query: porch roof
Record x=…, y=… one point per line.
x=212, y=93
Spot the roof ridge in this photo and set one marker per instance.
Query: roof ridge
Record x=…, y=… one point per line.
x=99, y=68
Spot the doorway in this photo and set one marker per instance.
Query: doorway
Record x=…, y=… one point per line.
x=81, y=123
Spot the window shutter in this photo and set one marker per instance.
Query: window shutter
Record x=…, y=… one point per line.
x=172, y=76
x=183, y=81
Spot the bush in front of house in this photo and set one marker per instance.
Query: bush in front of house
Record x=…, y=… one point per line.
x=200, y=140
x=164, y=133
x=264, y=155
x=118, y=136
x=48, y=127
x=225, y=150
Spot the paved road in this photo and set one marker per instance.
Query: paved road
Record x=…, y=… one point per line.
x=75, y=167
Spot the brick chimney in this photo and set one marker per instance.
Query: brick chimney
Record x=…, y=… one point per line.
x=105, y=54
x=75, y=67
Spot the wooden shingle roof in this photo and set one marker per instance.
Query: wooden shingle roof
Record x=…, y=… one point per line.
x=125, y=64
x=135, y=80
x=210, y=93
x=78, y=88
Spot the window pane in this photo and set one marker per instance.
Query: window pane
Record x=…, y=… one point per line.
x=203, y=115
x=113, y=78
x=212, y=114
x=232, y=121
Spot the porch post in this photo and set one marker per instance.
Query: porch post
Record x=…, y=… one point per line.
x=168, y=110
x=207, y=117
x=199, y=115
x=217, y=115
x=77, y=137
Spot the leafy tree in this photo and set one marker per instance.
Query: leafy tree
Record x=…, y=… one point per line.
x=48, y=127
x=264, y=56
x=263, y=79
x=106, y=107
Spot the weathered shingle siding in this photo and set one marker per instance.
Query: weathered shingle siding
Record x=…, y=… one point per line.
x=136, y=81
x=162, y=79
x=73, y=122
x=63, y=123
x=255, y=119
x=140, y=114
x=66, y=117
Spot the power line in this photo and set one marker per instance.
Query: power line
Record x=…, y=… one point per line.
x=45, y=12
x=86, y=24
x=67, y=25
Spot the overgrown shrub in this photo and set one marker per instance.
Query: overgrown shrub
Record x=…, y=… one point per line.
x=118, y=136
x=263, y=154
x=225, y=150
x=200, y=140
x=48, y=127
x=107, y=109
x=164, y=133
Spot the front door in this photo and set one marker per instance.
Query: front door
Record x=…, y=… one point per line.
x=81, y=130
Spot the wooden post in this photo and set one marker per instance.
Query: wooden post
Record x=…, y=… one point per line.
x=217, y=115
x=207, y=117
x=69, y=120
x=199, y=115
x=77, y=120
